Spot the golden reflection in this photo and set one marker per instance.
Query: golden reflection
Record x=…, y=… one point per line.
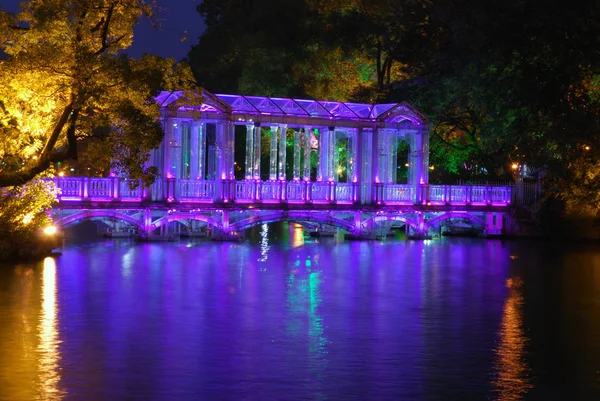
x=297, y=235
x=512, y=372
x=48, y=347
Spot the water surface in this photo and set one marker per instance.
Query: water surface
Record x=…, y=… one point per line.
x=284, y=317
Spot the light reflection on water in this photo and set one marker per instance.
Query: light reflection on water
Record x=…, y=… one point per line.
x=293, y=319
x=48, y=346
x=513, y=373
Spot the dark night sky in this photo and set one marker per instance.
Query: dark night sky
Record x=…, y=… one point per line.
x=177, y=17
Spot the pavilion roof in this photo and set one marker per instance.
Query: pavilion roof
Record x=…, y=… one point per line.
x=223, y=104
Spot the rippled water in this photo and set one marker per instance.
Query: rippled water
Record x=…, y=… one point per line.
x=280, y=317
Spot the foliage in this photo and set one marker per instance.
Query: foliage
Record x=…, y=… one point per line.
x=502, y=82
x=22, y=214
x=249, y=47
x=66, y=78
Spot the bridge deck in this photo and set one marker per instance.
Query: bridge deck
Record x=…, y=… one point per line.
x=85, y=192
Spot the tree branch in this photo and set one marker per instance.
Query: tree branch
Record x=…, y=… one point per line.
x=104, y=35
x=23, y=176
x=49, y=146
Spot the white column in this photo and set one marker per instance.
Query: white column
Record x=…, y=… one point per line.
x=358, y=164
x=273, y=154
x=297, y=154
x=415, y=159
x=351, y=152
x=282, y=151
x=201, y=172
x=249, y=152
x=256, y=158
x=221, y=150
x=169, y=129
x=425, y=150
x=307, y=153
x=230, y=129
x=323, y=148
x=331, y=164
x=194, y=154
x=375, y=177
x=394, y=157
x=176, y=151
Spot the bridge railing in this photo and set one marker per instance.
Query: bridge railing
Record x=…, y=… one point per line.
x=98, y=189
x=276, y=191
x=467, y=195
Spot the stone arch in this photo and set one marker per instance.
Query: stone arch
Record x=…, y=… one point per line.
x=295, y=216
x=388, y=217
x=184, y=216
x=98, y=213
x=438, y=220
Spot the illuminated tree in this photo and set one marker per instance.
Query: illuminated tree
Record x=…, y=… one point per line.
x=65, y=77
x=22, y=214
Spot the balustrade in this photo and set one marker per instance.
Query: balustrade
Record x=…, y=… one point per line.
x=276, y=191
x=296, y=191
x=398, y=194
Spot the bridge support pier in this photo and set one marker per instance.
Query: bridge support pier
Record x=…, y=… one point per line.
x=493, y=224
x=420, y=231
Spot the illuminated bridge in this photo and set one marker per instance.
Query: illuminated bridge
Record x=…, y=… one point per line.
x=327, y=165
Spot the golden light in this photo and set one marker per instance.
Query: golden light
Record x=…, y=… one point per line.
x=432, y=168
x=339, y=170
x=586, y=147
x=50, y=230
x=27, y=219
x=61, y=174
x=406, y=165
x=515, y=166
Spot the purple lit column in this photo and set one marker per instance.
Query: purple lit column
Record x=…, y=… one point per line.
x=331, y=159
x=256, y=151
x=221, y=150
x=194, y=156
x=201, y=151
x=167, y=141
x=418, y=160
x=282, y=153
x=374, y=164
x=322, y=169
x=307, y=153
x=249, y=152
x=273, y=153
x=221, y=159
x=297, y=154
x=357, y=148
x=175, y=150
x=394, y=158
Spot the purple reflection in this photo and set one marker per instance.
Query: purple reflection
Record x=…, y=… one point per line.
x=265, y=320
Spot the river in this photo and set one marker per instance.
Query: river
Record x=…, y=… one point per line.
x=284, y=317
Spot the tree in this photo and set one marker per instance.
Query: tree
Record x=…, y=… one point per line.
x=66, y=78
x=381, y=42
x=22, y=214
x=250, y=46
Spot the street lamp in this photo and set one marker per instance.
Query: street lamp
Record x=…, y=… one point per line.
x=50, y=230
